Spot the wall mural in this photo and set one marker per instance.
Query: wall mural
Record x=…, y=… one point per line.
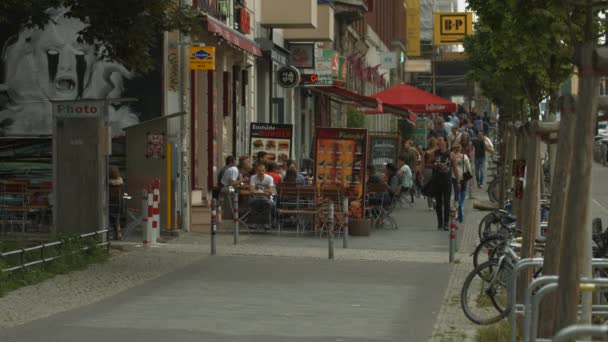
x=41, y=65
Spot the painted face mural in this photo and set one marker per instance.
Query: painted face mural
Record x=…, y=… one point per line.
x=42, y=65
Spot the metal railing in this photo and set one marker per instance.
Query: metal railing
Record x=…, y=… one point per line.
x=23, y=263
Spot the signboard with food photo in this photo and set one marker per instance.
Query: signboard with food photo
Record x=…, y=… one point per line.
x=274, y=139
x=340, y=158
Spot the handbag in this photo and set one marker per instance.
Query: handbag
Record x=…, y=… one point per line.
x=466, y=176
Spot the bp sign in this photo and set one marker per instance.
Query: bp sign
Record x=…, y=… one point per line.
x=288, y=77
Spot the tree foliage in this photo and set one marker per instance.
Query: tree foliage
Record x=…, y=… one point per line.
x=122, y=30
x=521, y=50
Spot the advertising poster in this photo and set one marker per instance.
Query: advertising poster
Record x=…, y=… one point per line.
x=420, y=134
x=340, y=158
x=274, y=139
x=383, y=149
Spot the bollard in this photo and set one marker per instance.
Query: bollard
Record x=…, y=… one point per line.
x=452, y=238
x=454, y=227
x=345, y=223
x=330, y=230
x=156, y=211
x=235, y=214
x=213, y=224
x=150, y=218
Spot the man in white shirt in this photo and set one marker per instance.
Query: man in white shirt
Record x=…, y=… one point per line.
x=231, y=174
x=261, y=182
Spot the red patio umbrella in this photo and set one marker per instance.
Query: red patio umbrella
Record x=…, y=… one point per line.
x=415, y=99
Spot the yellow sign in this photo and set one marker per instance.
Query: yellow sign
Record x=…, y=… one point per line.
x=451, y=28
x=412, y=23
x=202, y=58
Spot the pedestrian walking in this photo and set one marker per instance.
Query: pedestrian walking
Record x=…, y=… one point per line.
x=465, y=173
x=444, y=167
x=482, y=146
x=427, y=172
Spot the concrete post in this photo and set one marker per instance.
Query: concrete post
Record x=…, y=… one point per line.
x=213, y=225
x=330, y=230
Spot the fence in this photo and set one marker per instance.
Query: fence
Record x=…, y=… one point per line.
x=23, y=263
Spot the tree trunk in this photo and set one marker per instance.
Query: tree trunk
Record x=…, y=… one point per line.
x=530, y=208
x=559, y=189
x=578, y=193
x=510, y=155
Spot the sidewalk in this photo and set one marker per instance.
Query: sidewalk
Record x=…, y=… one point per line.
x=451, y=323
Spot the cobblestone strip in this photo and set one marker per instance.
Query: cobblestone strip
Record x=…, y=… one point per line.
x=451, y=323
x=64, y=292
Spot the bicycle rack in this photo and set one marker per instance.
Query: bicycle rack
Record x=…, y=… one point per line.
x=587, y=285
x=525, y=309
x=565, y=334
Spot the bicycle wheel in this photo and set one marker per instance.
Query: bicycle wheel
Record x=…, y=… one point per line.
x=484, y=293
x=494, y=190
x=490, y=225
x=486, y=250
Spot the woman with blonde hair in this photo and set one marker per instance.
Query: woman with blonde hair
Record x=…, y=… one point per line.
x=464, y=174
x=428, y=162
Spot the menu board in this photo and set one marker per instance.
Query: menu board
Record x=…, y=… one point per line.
x=421, y=132
x=383, y=149
x=340, y=158
x=274, y=139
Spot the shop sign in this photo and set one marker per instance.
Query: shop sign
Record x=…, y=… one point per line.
x=202, y=58
x=389, y=60
x=278, y=57
x=309, y=79
x=451, y=28
x=78, y=108
x=274, y=139
x=288, y=77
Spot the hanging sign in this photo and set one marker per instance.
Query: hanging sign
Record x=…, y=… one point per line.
x=288, y=77
x=202, y=58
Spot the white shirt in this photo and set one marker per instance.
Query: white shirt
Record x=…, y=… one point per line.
x=263, y=184
x=230, y=175
x=407, y=176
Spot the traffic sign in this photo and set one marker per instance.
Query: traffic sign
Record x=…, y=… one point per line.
x=202, y=58
x=288, y=77
x=451, y=28
x=309, y=79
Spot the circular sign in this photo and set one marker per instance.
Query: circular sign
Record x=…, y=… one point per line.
x=288, y=77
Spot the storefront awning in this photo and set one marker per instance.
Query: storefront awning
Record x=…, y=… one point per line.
x=370, y=104
x=232, y=36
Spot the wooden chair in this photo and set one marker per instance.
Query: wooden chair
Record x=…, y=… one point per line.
x=308, y=206
x=287, y=204
x=331, y=193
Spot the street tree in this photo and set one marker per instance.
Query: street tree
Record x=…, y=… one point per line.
x=122, y=30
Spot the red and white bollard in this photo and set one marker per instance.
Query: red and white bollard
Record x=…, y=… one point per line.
x=149, y=217
x=345, y=222
x=152, y=232
x=156, y=209
x=453, y=235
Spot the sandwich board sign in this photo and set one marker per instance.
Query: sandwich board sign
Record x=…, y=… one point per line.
x=274, y=139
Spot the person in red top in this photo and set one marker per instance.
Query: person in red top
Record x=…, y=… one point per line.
x=272, y=172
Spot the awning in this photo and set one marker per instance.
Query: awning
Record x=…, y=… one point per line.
x=370, y=104
x=415, y=99
x=232, y=36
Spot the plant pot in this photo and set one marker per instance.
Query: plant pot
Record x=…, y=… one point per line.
x=359, y=227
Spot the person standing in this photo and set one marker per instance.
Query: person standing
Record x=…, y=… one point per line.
x=443, y=167
x=410, y=154
x=481, y=145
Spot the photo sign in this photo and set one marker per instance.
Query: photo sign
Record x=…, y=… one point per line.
x=340, y=158
x=383, y=149
x=274, y=139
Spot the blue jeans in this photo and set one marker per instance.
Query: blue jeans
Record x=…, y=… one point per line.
x=480, y=169
x=461, y=195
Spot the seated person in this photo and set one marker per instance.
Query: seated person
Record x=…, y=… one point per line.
x=406, y=175
x=261, y=183
x=271, y=170
x=372, y=176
